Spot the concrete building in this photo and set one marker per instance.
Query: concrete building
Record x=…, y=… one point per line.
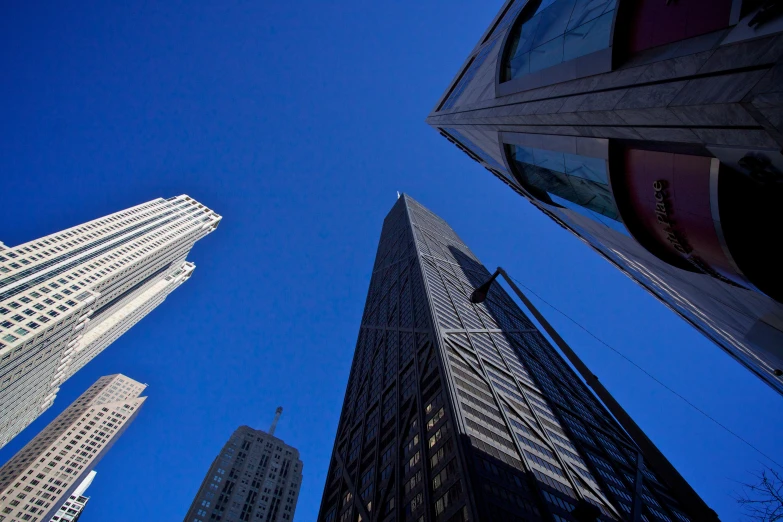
x=256, y=477
x=65, y=297
x=653, y=131
x=459, y=412
x=72, y=509
x=52, y=467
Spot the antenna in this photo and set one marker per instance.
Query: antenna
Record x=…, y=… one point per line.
x=278, y=412
x=398, y=194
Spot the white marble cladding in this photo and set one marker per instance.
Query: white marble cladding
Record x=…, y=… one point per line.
x=65, y=297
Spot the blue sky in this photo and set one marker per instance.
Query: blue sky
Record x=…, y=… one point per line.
x=298, y=122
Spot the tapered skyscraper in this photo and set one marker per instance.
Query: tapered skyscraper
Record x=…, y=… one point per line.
x=256, y=477
x=44, y=474
x=461, y=412
x=65, y=297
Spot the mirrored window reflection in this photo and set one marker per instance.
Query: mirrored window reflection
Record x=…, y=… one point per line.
x=558, y=31
x=617, y=226
x=580, y=180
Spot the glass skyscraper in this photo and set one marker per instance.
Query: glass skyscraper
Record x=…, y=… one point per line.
x=652, y=130
x=462, y=412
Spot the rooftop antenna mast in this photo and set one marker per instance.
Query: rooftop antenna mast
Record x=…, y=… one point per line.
x=278, y=412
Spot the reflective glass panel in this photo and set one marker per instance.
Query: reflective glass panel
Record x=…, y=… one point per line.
x=557, y=31
x=580, y=180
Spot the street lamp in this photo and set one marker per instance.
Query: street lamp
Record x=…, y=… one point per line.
x=693, y=503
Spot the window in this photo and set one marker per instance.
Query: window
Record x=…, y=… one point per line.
x=440, y=455
x=568, y=180
x=448, y=498
x=415, y=503
x=412, y=461
x=437, y=436
x=367, y=476
x=443, y=476
x=412, y=443
x=414, y=480
x=550, y=32
x=434, y=420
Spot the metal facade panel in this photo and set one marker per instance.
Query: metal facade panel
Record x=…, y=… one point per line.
x=456, y=411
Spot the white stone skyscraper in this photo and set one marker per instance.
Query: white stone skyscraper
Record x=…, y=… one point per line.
x=65, y=297
x=44, y=474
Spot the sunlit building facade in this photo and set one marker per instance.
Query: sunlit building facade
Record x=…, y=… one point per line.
x=72, y=508
x=459, y=412
x=67, y=296
x=652, y=130
x=52, y=467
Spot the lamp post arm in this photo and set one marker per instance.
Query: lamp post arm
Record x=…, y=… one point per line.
x=694, y=505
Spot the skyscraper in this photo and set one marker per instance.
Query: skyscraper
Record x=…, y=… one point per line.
x=44, y=474
x=72, y=508
x=256, y=477
x=653, y=133
x=65, y=297
x=462, y=412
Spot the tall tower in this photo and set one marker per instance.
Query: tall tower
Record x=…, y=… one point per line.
x=256, y=477
x=44, y=474
x=652, y=131
x=65, y=297
x=461, y=412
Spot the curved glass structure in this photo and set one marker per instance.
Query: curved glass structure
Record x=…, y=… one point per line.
x=556, y=31
x=556, y=176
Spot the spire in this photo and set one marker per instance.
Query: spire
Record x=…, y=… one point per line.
x=278, y=412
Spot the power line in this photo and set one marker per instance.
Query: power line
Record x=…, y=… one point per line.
x=648, y=374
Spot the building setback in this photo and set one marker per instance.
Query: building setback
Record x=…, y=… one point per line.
x=65, y=297
x=462, y=412
x=256, y=477
x=44, y=474
x=653, y=131
x=72, y=509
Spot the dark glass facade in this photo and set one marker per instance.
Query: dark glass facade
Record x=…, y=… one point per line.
x=653, y=131
x=551, y=32
x=460, y=412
